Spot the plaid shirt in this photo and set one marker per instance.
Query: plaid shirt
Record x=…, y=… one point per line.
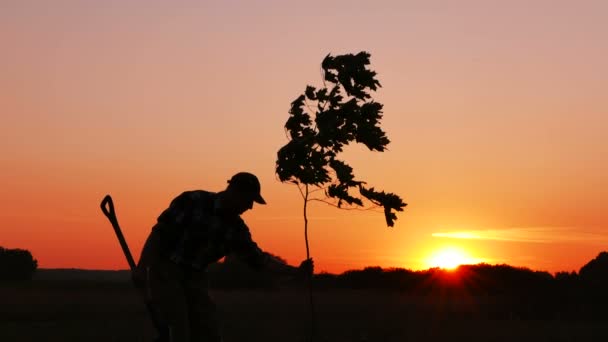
x=192, y=234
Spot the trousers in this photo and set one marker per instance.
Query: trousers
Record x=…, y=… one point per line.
x=182, y=299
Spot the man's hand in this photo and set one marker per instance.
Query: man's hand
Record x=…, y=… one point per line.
x=306, y=268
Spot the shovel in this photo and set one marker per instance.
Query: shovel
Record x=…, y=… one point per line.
x=107, y=207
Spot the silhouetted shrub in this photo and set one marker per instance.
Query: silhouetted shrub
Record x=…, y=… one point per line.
x=593, y=284
x=16, y=264
x=595, y=273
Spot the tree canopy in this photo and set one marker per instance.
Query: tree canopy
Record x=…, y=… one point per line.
x=322, y=121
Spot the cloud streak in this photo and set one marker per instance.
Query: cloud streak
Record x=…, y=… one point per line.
x=531, y=234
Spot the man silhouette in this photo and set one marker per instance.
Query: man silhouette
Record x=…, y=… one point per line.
x=199, y=228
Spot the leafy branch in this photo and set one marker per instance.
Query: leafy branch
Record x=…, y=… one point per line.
x=323, y=121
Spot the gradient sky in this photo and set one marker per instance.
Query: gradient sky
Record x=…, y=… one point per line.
x=497, y=113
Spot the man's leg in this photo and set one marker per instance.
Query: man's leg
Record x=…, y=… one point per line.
x=167, y=292
x=204, y=323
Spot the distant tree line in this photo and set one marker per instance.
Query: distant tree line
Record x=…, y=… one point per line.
x=499, y=291
x=488, y=290
x=16, y=264
x=479, y=279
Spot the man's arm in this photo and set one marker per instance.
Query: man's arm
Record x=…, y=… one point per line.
x=248, y=251
x=279, y=267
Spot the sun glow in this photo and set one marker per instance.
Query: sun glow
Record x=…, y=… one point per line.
x=450, y=258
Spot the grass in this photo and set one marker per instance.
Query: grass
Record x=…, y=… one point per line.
x=55, y=311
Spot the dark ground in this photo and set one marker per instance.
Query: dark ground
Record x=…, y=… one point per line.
x=87, y=311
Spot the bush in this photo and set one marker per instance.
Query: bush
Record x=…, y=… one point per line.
x=17, y=264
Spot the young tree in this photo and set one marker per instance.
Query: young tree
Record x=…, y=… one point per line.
x=321, y=122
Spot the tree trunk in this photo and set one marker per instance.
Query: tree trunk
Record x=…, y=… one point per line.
x=311, y=301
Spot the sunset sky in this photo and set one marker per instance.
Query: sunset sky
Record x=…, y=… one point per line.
x=497, y=112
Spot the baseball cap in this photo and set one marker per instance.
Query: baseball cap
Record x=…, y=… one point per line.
x=247, y=183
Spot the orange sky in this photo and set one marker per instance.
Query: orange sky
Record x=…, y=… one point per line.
x=496, y=111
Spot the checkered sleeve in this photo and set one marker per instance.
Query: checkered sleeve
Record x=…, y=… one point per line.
x=245, y=248
x=248, y=251
x=175, y=227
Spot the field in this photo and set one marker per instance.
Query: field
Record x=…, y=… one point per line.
x=61, y=311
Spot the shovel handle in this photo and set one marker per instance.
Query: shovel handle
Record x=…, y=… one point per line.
x=107, y=207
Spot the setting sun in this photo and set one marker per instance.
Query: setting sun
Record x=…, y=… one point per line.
x=450, y=258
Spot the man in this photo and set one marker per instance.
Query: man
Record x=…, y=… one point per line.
x=199, y=228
